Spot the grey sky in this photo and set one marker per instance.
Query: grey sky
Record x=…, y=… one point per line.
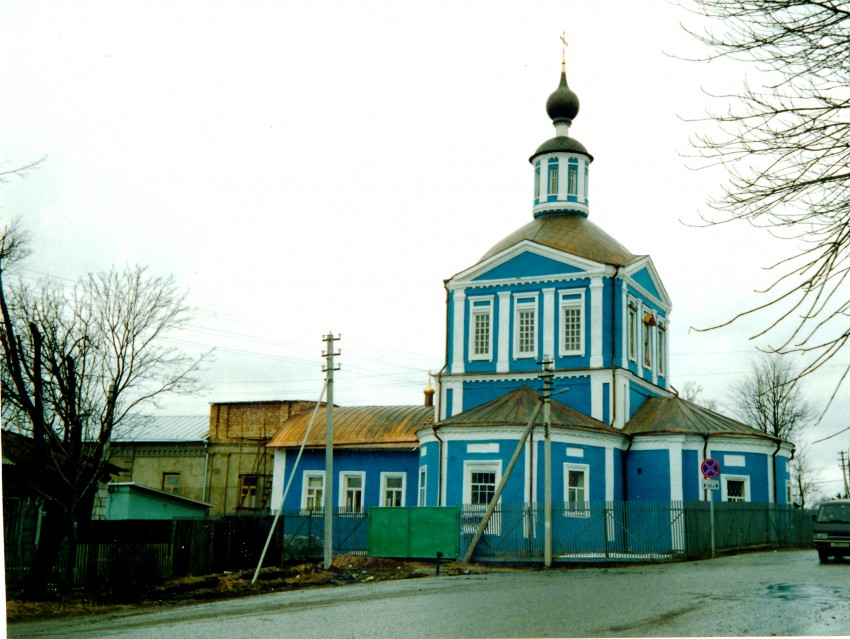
x=312, y=167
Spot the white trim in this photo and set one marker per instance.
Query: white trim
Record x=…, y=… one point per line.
x=481, y=466
x=572, y=298
x=278, y=479
x=422, y=486
x=549, y=322
x=382, y=497
x=664, y=301
x=724, y=494
x=595, y=319
x=503, y=363
x=585, y=470
x=520, y=304
x=677, y=491
x=489, y=447
x=485, y=307
x=459, y=329
x=587, y=268
x=574, y=451
x=342, y=488
x=304, y=477
x=734, y=460
x=609, y=473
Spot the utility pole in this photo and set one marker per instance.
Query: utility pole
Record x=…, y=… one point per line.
x=546, y=375
x=329, y=448
x=843, y=466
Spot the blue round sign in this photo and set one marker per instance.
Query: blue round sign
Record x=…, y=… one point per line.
x=710, y=468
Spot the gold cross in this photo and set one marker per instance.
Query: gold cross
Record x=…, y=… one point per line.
x=563, y=47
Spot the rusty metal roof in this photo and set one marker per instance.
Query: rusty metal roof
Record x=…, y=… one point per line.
x=515, y=409
x=357, y=426
x=661, y=415
x=571, y=233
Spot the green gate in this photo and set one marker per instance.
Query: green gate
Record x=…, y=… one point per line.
x=415, y=533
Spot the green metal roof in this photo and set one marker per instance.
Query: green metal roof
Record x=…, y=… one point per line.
x=674, y=415
x=573, y=234
x=515, y=409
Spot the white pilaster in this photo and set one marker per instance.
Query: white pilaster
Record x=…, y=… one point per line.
x=549, y=323
x=595, y=320
x=278, y=479
x=504, y=353
x=459, y=330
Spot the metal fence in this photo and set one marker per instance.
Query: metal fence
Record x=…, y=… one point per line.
x=632, y=531
x=124, y=556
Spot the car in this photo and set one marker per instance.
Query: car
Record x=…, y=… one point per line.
x=832, y=529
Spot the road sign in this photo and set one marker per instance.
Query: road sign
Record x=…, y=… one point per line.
x=711, y=484
x=710, y=468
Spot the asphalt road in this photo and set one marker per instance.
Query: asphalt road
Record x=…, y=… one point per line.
x=759, y=594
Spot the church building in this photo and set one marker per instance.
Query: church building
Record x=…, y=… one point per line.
x=558, y=290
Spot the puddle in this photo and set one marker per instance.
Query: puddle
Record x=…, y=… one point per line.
x=791, y=592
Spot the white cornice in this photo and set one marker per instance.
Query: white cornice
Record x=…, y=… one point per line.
x=586, y=267
x=646, y=262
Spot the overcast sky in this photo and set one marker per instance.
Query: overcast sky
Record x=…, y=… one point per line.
x=305, y=167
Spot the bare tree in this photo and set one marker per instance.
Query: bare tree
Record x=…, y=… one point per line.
x=769, y=398
x=787, y=148
x=805, y=476
x=692, y=392
x=75, y=364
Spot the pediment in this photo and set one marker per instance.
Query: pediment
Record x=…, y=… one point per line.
x=644, y=275
x=528, y=260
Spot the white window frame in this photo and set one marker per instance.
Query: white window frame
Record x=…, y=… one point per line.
x=646, y=344
x=537, y=181
x=661, y=348
x=343, y=489
x=553, y=176
x=571, y=299
x=632, y=330
x=480, y=306
x=422, y=494
x=725, y=479
x=584, y=511
x=479, y=466
x=473, y=519
x=304, y=488
x=572, y=179
x=525, y=302
x=383, y=499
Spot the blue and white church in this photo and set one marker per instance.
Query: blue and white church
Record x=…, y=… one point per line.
x=562, y=290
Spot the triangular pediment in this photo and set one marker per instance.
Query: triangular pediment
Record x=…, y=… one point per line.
x=528, y=260
x=643, y=274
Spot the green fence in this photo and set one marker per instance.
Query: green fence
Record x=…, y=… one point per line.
x=416, y=533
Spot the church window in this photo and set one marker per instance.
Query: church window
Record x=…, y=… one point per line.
x=575, y=490
x=572, y=180
x=480, y=479
x=481, y=329
x=423, y=485
x=647, y=345
x=525, y=334
x=662, y=348
x=553, y=180
x=735, y=488
x=632, y=332
x=537, y=181
x=572, y=325
x=585, y=180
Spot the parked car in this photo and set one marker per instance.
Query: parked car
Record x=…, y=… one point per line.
x=832, y=529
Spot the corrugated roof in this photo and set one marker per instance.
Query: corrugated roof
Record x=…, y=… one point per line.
x=357, y=426
x=660, y=415
x=164, y=428
x=515, y=409
x=571, y=233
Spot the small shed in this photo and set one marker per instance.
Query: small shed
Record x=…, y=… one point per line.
x=128, y=500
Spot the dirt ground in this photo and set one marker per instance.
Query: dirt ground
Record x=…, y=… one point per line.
x=346, y=569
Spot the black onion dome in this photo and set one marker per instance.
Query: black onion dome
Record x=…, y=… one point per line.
x=563, y=104
x=561, y=143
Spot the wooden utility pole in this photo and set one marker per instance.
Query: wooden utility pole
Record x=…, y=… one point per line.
x=329, y=449
x=547, y=376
